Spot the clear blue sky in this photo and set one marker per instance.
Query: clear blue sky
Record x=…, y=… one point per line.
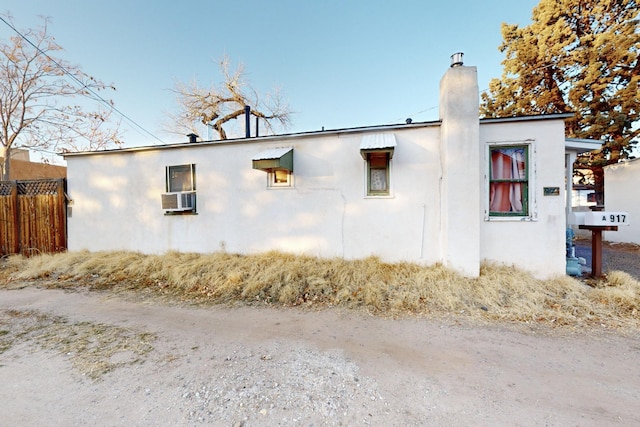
x=339, y=64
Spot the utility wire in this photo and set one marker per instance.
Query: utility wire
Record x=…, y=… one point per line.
x=138, y=127
x=480, y=92
x=436, y=106
x=416, y=113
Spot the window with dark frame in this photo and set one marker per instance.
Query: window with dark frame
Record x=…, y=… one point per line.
x=378, y=173
x=180, y=185
x=509, y=180
x=181, y=178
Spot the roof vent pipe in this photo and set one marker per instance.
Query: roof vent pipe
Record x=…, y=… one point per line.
x=456, y=59
x=247, y=121
x=192, y=137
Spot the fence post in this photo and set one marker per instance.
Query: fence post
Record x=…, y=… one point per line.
x=62, y=216
x=16, y=218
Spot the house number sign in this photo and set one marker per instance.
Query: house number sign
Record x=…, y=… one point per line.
x=599, y=218
x=617, y=218
x=607, y=218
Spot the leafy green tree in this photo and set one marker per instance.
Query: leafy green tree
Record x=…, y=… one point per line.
x=40, y=99
x=577, y=56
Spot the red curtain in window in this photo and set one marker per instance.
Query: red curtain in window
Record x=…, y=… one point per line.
x=506, y=164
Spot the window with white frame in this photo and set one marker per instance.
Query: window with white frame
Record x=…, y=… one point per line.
x=278, y=164
x=509, y=180
x=280, y=178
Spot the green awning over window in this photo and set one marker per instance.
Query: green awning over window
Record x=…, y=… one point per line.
x=274, y=159
x=376, y=143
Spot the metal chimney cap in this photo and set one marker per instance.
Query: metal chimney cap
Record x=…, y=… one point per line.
x=456, y=59
x=192, y=137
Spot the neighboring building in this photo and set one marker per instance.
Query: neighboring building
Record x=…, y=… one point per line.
x=457, y=191
x=580, y=198
x=621, y=182
x=583, y=197
x=22, y=168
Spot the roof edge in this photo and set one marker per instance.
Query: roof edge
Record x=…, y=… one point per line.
x=582, y=145
x=266, y=138
x=554, y=116
x=308, y=134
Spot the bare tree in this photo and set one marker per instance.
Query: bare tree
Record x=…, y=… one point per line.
x=216, y=106
x=43, y=98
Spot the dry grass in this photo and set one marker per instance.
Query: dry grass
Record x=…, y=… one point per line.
x=94, y=348
x=499, y=294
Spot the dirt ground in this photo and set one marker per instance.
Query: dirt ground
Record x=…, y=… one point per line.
x=183, y=366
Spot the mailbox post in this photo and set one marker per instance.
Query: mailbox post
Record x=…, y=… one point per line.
x=596, y=245
x=597, y=222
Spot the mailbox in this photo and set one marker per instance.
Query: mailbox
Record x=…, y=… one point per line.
x=599, y=218
x=597, y=222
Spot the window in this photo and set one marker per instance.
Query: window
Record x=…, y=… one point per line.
x=279, y=178
x=278, y=164
x=378, y=173
x=181, y=178
x=377, y=151
x=509, y=180
x=180, y=196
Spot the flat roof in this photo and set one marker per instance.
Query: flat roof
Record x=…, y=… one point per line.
x=555, y=116
x=284, y=137
x=582, y=145
x=622, y=162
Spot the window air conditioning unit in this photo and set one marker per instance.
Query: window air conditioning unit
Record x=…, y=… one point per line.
x=179, y=201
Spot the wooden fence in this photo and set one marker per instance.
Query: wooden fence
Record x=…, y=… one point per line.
x=33, y=217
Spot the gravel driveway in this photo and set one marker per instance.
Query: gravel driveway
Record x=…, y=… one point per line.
x=622, y=257
x=186, y=366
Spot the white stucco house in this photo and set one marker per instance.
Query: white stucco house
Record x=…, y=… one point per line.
x=456, y=191
x=621, y=182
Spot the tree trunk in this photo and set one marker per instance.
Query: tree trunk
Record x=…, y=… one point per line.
x=598, y=178
x=6, y=165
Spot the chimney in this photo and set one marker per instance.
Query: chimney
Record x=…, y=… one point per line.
x=459, y=93
x=192, y=137
x=456, y=59
x=247, y=121
x=461, y=154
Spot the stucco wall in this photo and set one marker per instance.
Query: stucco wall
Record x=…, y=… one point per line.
x=621, y=183
x=116, y=200
x=435, y=212
x=460, y=156
x=538, y=243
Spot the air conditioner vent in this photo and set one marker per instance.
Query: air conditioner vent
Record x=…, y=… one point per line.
x=179, y=201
